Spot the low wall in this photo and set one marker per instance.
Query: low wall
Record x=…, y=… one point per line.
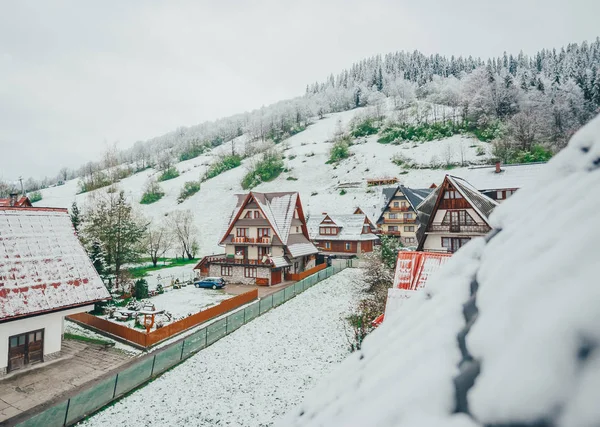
x=147, y=340
x=301, y=276
x=94, y=397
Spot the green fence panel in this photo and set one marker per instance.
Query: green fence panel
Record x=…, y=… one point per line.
x=266, y=304
x=90, y=400
x=215, y=331
x=251, y=311
x=235, y=320
x=298, y=288
x=133, y=376
x=289, y=292
x=51, y=417
x=278, y=297
x=195, y=342
x=167, y=358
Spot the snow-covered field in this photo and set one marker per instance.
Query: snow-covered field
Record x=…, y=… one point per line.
x=254, y=375
x=317, y=182
x=166, y=275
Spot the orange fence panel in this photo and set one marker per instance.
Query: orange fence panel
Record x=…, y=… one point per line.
x=300, y=276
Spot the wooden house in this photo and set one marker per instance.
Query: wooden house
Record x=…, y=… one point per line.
x=15, y=201
x=399, y=213
x=45, y=275
x=265, y=238
x=452, y=215
x=342, y=235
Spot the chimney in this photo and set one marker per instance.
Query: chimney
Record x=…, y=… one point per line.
x=498, y=170
x=13, y=199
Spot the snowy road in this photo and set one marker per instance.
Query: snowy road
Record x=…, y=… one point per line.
x=255, y=375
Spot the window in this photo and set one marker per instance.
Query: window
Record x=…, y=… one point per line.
x=248, y=214
x=327, y=230
x=327, y=245
x=409, y=239
x=409, y=228
x=257, y=214
x=366, y=229
x=393, y=216
x=393, y=228
x=451, y=194
x=454, y=243
x=250, y=272
x=225, y=270
x=348, y=246
x=263, y=251
x=458, y=218
x=499, y=195
x=264, y=232
x=297, y=229
x=242, y=232
x=403, y=204
x=396, y=204
x=296, y=267
x=408, y=216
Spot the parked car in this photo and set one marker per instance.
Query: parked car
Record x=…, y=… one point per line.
x=211, y=283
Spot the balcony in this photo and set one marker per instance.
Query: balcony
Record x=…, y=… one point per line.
x=399, y=209
x=399, y=221
x=458, y=228
x=224, y=260
x=265, y=240
x=392, y=233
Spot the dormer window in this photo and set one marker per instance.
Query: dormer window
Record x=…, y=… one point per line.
x=328, y=230
x=366, y=229
x=452, y=194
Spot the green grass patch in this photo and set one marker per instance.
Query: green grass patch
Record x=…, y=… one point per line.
x=365, y=128
x=152, y=194
x=168, y=174
x=142, y=271
x=189, y=189
x=69, y=336
x=223, y=164
x=193, y=151
x=266, y=169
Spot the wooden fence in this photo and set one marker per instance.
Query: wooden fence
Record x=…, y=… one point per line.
x=146, y=340
x=301, y=276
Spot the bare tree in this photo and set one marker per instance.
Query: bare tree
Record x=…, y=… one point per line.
x=448, y=154
x=158, y=241
x=184, y=231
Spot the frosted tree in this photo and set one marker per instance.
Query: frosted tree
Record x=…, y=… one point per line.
x=181, y=224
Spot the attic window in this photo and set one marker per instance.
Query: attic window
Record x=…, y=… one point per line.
x=396, y=204
x=248, y=215
x=365, y=229
x=257, y=214
x=328, y=230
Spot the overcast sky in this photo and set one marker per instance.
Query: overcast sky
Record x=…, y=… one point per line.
x=78, y=75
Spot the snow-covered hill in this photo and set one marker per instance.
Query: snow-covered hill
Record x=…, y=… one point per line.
x=506, y=334
x=306, y=154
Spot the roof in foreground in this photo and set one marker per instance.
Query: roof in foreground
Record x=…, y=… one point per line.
x=43, y=267
x=485, y=178
x=506, y=333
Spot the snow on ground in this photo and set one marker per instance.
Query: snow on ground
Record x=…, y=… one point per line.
x=254, y=375
x=317, y=182
x=527, y=299
x=164, y=276
x=74, y=328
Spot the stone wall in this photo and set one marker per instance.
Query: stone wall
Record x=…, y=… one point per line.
x=237, y=274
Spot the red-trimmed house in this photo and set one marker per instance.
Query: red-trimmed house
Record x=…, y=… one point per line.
x=452, y=215
x=45, y=275
x=342, y=235
x=266, y=237
x=15, y=201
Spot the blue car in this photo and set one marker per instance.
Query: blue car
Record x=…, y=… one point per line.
x=210, y=283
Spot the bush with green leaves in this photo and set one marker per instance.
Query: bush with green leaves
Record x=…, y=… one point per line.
x=340, y=150
x=189, y=189
x=153, y=193
x=365, y=128
x=141, y=289
x=223, y=164
x=169, y=173
x=35, y=196
x=266, y=169
x=194, y=150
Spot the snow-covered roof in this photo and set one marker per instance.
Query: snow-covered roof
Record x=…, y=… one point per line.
x=505, y=334
x=350, y=227
x=413, y=269
x=485, y=178
x=20, y=202
x=43, y=267
x=299, y=245
x=480, y=202
x=280, y=261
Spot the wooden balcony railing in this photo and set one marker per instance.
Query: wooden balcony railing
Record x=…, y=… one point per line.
x=265, y=240
x=459, y=228
x=399, y=209
x=399, y=220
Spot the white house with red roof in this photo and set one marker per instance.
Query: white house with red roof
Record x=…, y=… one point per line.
x=265, y=238
x=45, y=275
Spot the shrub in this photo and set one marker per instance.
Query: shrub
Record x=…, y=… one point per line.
x=343, y=192
x=189, y=189
x=292, y=156
x=225, y=163
x=537, y=153
x=193, y=151
x=291, y=178
x=266, y=169
x=141, y=289
x=480, y=151
x=339, y=151
x=153, y=193
x=35, y=196
x=169, y=173
x=365, y=128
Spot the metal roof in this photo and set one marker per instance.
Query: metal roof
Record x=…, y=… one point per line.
x=485, y=178
x=43, y=266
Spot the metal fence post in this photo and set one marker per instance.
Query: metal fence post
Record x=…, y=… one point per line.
x=115, y=388
x=67, y=412
x=153, y=362
x=182, y=347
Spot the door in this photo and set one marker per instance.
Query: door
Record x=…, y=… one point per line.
x=454, y=221
x=275, y=277
x=25, y=348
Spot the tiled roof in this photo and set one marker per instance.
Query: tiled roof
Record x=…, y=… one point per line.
x=280, y=261
x=22, y=201
x=485, y=178
x=350, y=227
x=43, y=266
x=298, y=245
x=414, y=268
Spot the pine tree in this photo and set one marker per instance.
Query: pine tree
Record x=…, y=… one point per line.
x=75, y=216
x=98, y=257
